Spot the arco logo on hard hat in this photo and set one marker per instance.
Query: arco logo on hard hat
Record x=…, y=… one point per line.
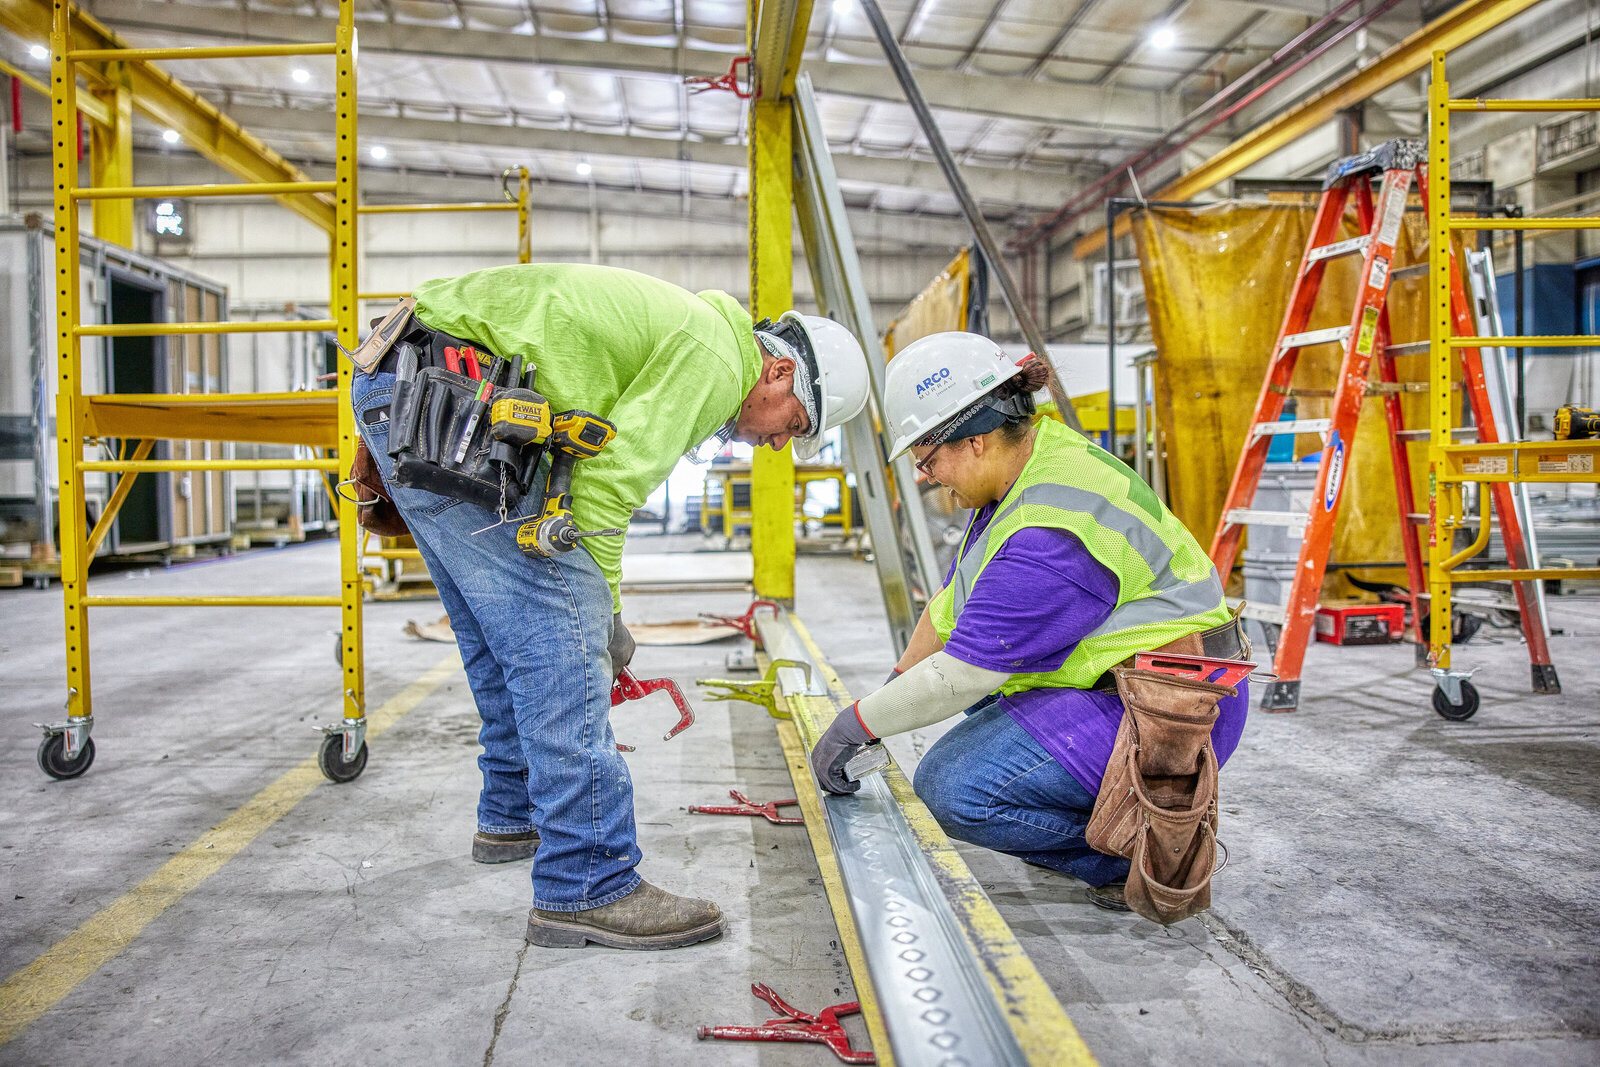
x=939, y=379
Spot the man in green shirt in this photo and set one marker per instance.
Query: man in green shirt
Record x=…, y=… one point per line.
x=542, y=637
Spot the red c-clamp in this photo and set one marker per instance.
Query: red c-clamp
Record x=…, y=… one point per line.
x=746, y=623
x=627, y=687
x=821, y=1029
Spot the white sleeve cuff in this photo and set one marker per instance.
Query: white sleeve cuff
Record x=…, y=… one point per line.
x=931, y=691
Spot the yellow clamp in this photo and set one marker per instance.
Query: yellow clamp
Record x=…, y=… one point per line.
x=763, y=692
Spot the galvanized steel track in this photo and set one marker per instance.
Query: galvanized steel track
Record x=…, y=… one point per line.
x=951, y=983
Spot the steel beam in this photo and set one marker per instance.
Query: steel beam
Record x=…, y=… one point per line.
x=90, y=108
x=1114, y=109
x=772, y=542
x=168, y=102
x=780, y=28
x=111, y=155
x=775, y=31
x=1460, y=25
x=998, y=185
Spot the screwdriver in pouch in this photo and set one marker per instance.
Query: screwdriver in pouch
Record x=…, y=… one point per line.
x=480, y=404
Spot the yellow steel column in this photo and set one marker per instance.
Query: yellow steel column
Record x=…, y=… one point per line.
x=111, y=156
x=69, y=439
x=524, y=233
x=771, y=294
x=1442, y=506
x=344, y=308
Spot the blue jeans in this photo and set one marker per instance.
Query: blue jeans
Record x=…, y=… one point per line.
x=988, y=782
x=533, y=634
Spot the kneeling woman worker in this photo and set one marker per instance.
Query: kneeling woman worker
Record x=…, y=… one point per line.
x=1069, y=567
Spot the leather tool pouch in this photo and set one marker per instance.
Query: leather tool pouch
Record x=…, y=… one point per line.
x=1158, y=801
x=428, y=416
x=374, y=509
x=385, y=333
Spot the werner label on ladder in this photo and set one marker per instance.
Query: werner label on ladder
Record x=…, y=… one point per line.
x=1366, y=345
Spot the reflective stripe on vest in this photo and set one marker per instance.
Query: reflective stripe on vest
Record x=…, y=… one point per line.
x=1155, y=603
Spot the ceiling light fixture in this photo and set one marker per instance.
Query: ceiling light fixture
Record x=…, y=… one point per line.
x=171, y=136
x=1164, y=37
x=38, y=51
x=379, y=152
x=301, y=75
x=557, y=97
x=842, y=8
x=584, y=170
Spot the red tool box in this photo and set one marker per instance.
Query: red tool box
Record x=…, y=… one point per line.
x=1361, y=624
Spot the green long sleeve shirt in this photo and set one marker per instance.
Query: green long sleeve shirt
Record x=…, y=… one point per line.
x=667, y=366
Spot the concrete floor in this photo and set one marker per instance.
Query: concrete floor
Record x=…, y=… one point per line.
x=1403, y=890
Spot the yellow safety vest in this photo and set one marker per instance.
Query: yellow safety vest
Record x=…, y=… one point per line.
x=1166, y=585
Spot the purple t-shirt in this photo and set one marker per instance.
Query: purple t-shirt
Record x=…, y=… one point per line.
x=1041, y=594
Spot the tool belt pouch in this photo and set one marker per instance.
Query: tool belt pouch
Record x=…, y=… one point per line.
x=1158, y=801
x=429, y=415
x=374, y=509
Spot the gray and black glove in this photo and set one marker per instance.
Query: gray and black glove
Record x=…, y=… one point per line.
x=894, y=672
x=621, y=646
x=834, y=748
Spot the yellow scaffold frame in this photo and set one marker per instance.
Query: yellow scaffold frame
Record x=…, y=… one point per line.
x=320, y=420
x=524, y=255
x=1451, y=465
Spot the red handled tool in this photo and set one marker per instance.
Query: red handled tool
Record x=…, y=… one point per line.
x=746, y=623
x=820, y=1029
x=1194, y=668
x=627, y=687
x=746, y=806
x=463, y=361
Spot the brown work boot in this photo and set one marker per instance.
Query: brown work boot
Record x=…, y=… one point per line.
x=648, y=917
x=504, y=848
x=1109, y=896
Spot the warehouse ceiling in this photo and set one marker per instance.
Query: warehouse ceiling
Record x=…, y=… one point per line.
x=1035, y=97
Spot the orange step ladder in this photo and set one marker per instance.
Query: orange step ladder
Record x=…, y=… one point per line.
x=1365, y=342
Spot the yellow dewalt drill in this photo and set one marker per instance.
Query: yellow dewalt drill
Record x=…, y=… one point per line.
x=1577, y=424
x=573, y=435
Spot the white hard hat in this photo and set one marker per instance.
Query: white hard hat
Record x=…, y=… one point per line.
x=936, y=378
x=838, y=391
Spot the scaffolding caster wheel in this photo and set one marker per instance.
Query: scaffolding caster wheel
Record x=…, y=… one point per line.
x=53, y=757
x=1466, y=709
x=331, y=761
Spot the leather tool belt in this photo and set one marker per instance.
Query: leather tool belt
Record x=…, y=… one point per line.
x=1157, y=804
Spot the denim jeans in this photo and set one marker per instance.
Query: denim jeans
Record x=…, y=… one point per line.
x=533, y=634
x=988, y=782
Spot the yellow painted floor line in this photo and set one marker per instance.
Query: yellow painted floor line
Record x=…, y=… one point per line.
x=42, y=984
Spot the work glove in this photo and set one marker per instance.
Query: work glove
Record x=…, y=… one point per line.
x=621, y=646
x=894, y=672
x=834, y=748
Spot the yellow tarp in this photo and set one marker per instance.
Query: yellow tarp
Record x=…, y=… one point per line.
x=940, y=307
x=1217, y=281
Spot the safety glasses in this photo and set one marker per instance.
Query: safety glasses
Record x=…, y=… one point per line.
x=925, y=464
